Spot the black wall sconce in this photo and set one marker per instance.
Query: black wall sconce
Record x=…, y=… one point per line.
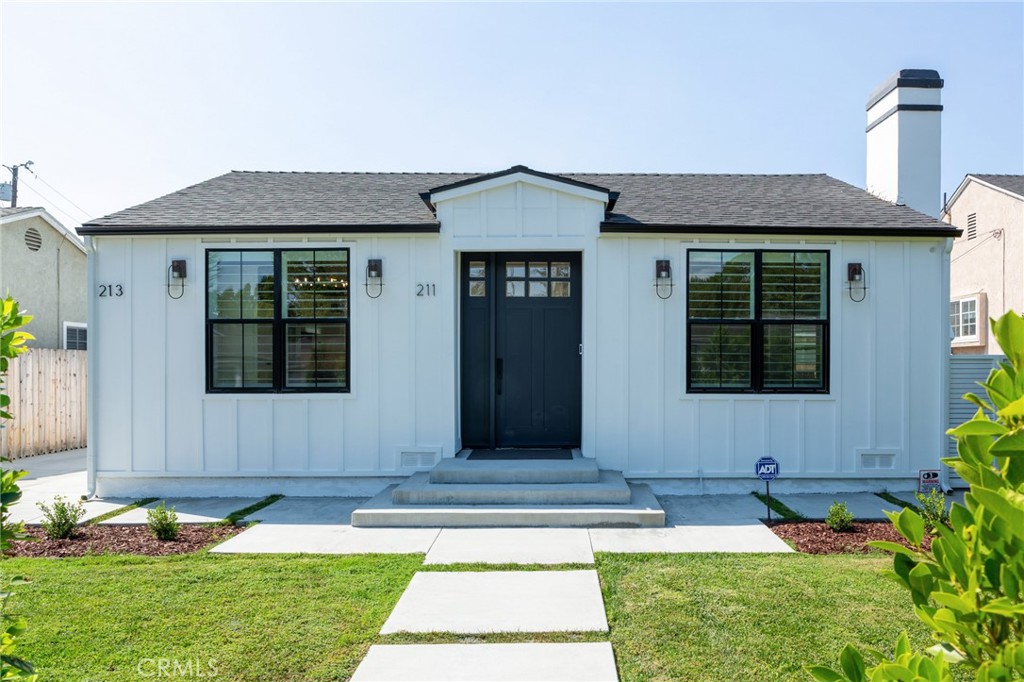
x=177, y=272
x=856, y=282
x=663, y=278
x=374, y=277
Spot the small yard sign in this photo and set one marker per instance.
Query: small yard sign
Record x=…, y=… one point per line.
x=767, y=468
x=928, y=479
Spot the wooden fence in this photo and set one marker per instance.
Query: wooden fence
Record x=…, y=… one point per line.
x=48, y=402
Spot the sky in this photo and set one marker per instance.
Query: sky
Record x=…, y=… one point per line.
x=119, y=103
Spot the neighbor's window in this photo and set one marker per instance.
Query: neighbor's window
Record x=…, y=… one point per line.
x=963, y=316
x=277, y=320
x=757, y=321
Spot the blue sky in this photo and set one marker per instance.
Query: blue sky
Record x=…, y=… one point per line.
x=120, y=103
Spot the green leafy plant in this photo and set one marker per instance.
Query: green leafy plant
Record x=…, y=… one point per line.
x=61, y=518
x=163, y=522
x=12, y=344
x=933, y=509
x=839, y=518
x=969, y=588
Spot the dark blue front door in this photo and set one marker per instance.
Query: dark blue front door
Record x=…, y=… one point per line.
x=521, y=353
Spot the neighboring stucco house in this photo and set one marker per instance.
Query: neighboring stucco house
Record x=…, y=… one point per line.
x=43, y=265
x=319, y=332
x=987, y=262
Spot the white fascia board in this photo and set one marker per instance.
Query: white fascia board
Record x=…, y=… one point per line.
x=970, y=178
x=526, y=178
x=54, y=223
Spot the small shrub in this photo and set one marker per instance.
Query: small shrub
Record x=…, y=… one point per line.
x=933, y=509
x=60, y=520
x=163, y=522
x=839, y=518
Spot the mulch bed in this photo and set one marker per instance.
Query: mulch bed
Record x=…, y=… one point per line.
x=103, y=539
x=814, y=537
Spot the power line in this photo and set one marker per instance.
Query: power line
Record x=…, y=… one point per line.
x=61, y=194
x=991, y=235
x=53, y=204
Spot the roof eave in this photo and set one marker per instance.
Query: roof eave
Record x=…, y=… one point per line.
x=98, y=229
x=830, y=231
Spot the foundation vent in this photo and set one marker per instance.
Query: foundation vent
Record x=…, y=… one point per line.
x=877, y=461
x=419, y=460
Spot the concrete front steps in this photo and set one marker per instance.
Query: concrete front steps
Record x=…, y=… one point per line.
x=535, y=493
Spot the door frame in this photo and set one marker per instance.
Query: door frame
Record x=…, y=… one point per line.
x=491, y=257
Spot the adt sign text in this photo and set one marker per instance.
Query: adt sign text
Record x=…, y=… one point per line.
x=767, y=468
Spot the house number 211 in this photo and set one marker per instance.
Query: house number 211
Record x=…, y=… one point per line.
x=426, y=289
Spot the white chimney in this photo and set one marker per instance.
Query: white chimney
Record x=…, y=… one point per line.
x=904, y=137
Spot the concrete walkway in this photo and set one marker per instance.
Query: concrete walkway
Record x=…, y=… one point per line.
x=58, y=473
x=866, y=506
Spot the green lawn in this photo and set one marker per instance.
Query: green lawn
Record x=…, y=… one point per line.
x=672, y=617
x=747, y=618
x=260, y=618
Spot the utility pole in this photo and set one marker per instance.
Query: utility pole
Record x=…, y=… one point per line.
x=14, y=180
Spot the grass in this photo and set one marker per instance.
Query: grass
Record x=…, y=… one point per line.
x=236, y=516
x=120, y=510
x=782, y=510
x=747, y=618
x=892, y=499
x=257, y=617
x=673, y=617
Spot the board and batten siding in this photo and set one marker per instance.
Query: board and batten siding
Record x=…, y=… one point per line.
x=880, y=419
x=153, y=418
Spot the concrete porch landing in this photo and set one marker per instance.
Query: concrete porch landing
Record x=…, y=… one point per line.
x=460, y=492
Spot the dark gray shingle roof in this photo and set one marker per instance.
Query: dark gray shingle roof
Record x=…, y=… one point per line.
x=1011, y=183
x=389, y=200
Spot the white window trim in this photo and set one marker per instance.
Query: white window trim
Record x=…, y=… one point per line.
x=974, y=338
x=71, y=325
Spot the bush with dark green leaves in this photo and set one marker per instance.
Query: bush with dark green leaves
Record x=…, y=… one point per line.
x=839, y=518
x=969, y=587
x=163, y=522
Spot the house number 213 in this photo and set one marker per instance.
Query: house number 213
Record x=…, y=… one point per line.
x=108, y=290
x=426, y=289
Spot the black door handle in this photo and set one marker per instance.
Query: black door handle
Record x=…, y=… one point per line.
x=499, y=374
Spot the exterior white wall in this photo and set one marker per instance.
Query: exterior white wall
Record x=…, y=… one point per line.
x=156, y=429
x=989, y=267
x=904, y=152
x=885, y=373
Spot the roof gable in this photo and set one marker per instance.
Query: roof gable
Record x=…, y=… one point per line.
x=19, y=213
x=564, y=183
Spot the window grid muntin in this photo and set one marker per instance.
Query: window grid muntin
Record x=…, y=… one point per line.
x=757, y=325
x=279, y=324
x=963, y=317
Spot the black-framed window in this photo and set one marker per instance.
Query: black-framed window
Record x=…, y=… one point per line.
x=277, y=320
x=757, y=321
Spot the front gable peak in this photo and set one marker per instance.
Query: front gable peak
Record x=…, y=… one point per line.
x=515, y=174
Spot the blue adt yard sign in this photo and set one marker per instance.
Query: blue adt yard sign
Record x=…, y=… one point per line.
x=767, y=468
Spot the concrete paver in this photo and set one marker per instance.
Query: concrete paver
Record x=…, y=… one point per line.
x=309, y=510
x=512, y=546
x=500, y=601
x=957, y=496
x=815, y=505
x=274, y=538
x=738, y=537
x=579, y=662
x=189, y=509
x=710, y=509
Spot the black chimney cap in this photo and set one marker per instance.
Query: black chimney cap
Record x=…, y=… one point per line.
x=905, y=78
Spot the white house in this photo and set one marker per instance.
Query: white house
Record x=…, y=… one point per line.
x=312, y=332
